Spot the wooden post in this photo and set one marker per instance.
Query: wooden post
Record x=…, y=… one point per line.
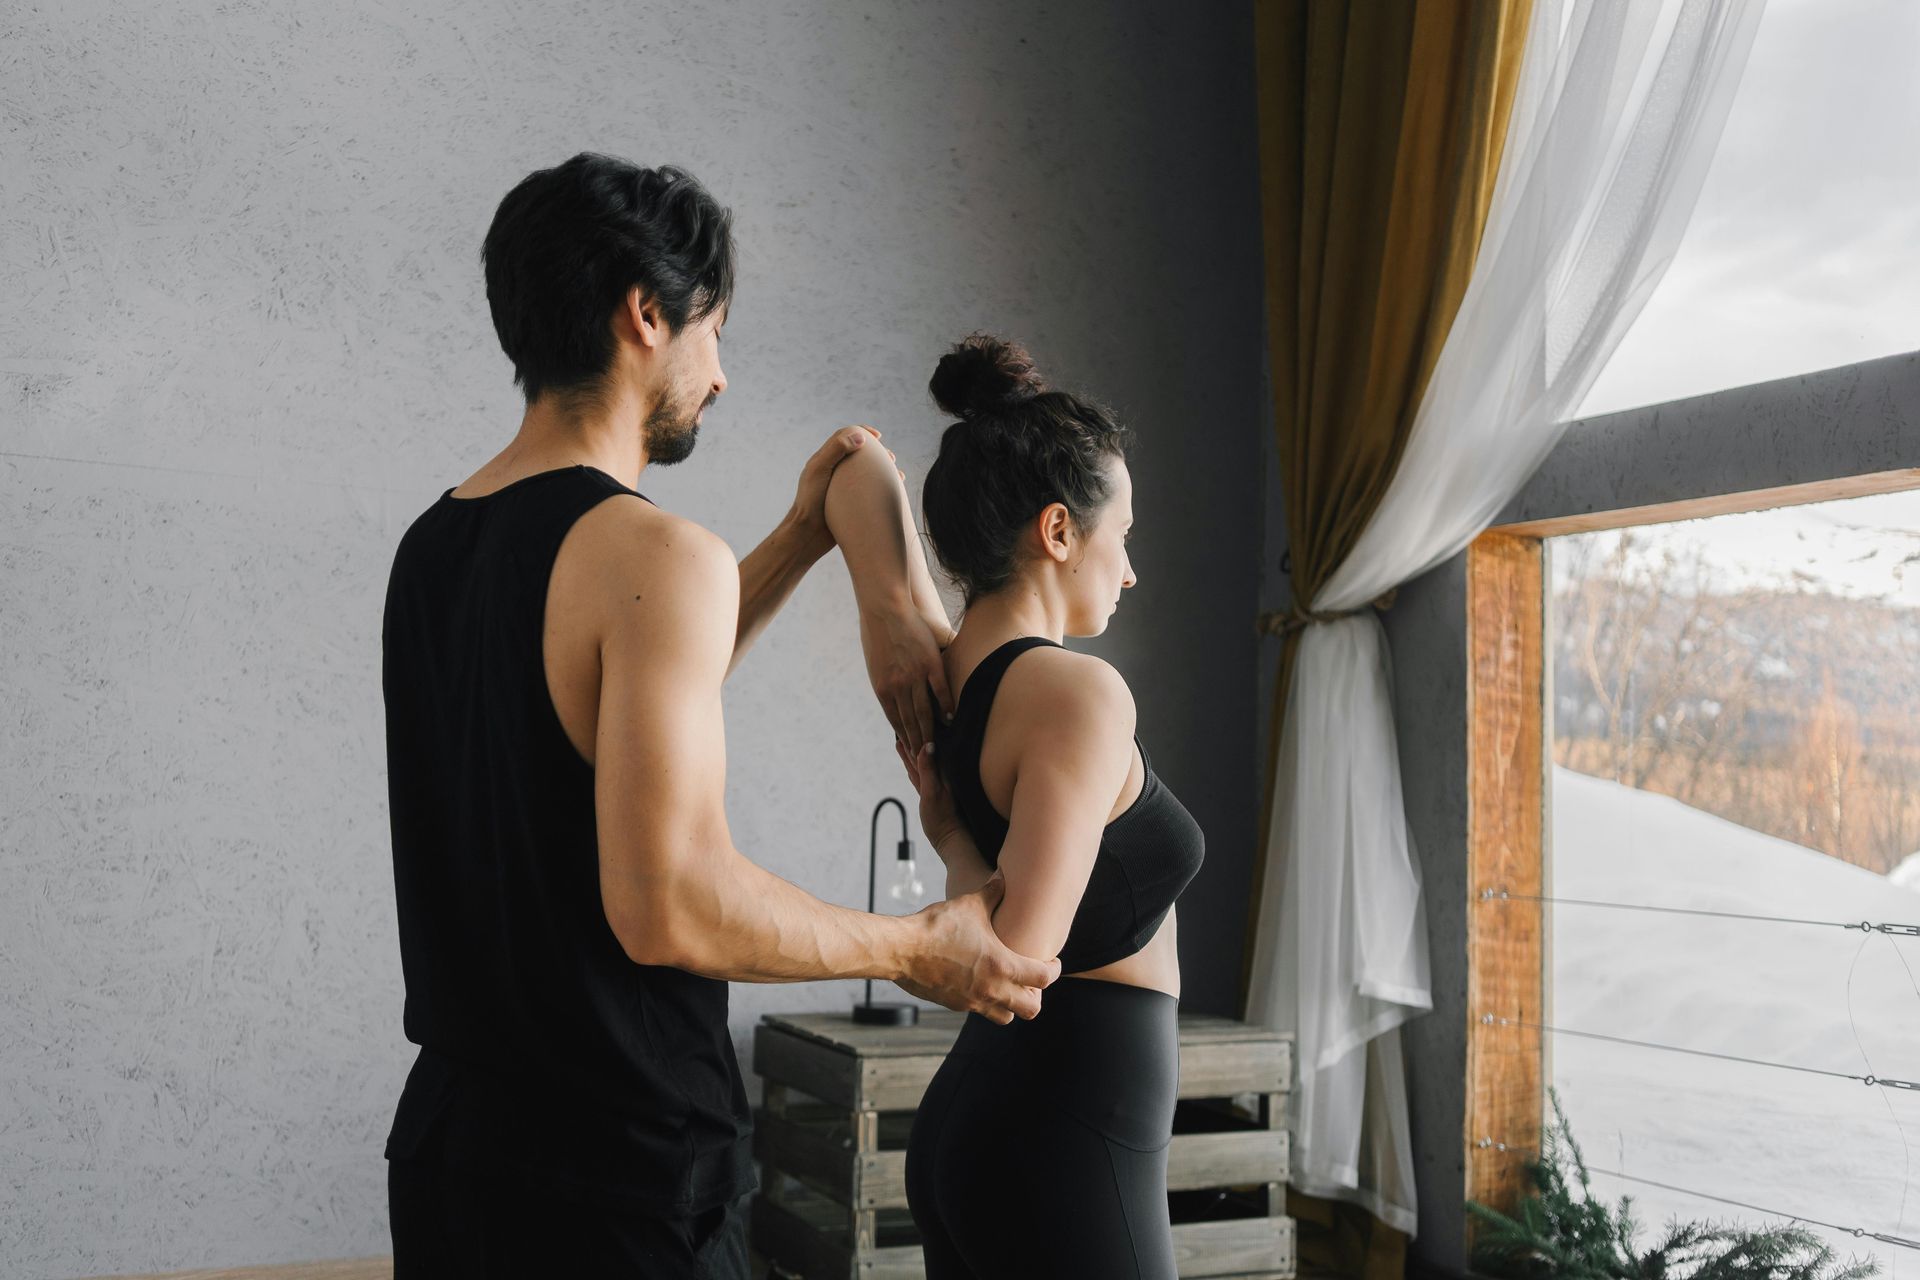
x=1506, y=774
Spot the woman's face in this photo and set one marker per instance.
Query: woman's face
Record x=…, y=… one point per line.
x=1102, y=570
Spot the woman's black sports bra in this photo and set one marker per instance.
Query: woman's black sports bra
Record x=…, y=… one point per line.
x=1147, y=854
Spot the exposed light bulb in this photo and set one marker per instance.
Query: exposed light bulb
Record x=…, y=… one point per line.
x=906, y=886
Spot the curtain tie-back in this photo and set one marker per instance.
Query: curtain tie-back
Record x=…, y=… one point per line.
x=1278, y=622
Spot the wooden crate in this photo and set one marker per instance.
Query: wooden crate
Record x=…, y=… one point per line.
x=840, y=1098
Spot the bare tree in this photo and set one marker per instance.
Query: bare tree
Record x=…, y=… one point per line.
x=1667, y=681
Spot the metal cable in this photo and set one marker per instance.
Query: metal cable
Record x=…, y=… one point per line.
x=1493, y=1019
x=1858, y=1232
x=1866, y=926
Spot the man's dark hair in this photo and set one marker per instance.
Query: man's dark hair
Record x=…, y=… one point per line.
x=568, y=242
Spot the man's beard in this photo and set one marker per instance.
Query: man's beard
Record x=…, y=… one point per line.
x=670, y=432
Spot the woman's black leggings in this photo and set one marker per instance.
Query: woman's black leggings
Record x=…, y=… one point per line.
x=1040, y=1149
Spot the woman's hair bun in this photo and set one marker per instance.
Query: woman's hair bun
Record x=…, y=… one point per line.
x=983, y=373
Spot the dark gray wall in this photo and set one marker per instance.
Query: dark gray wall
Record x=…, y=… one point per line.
x=248, y=343
x=1854, y=420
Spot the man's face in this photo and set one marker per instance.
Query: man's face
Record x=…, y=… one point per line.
x=693, y=380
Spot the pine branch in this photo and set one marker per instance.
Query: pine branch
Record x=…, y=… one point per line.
x=1560, y=1232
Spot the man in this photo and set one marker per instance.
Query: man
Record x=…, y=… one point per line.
x=571, y=905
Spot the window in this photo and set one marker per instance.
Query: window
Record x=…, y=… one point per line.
x=1735, y=728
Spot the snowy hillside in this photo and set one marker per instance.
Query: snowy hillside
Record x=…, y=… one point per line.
x=1785, y=1140
x=1907, y=873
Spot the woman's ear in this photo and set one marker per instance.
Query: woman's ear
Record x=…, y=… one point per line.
x=1055, y=528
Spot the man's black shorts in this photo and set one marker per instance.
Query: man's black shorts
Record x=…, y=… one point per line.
x=479, y=1223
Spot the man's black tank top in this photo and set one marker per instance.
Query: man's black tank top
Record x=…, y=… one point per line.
x=543, y=1047
x=1147, y=855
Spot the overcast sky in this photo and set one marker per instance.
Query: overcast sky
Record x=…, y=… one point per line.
x=1804, y=250
x=1803, y=254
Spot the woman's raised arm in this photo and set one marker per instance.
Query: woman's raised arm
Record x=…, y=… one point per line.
x=903, y=625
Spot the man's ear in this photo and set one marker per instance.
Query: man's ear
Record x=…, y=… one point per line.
x=1055, y=528
x=642, y=314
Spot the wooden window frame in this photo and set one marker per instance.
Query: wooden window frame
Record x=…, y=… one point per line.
x=1509, y=751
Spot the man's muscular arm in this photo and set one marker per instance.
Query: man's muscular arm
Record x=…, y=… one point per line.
x=675, y=890
x=768, y=575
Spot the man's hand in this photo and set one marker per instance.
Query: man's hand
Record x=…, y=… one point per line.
x=964, y=965
x=808, y=515
x=907, y=672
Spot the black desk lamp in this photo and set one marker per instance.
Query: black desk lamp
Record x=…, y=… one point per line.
x=886, y=1013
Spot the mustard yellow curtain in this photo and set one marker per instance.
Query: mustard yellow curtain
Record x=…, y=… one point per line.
x=1381, y=123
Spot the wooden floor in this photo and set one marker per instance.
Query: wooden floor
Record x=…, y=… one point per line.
x=349, y=1269
x=354, y=1269
x=382, y=1269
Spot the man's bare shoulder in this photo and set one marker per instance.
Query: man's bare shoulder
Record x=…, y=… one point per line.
x=633, y=553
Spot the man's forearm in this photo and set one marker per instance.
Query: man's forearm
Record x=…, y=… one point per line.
x=742, y=923
x=768, y=575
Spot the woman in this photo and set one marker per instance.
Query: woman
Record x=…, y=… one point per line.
x=1040, y=1147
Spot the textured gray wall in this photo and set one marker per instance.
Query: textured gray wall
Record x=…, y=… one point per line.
x=247, y=343
x=1854, y=420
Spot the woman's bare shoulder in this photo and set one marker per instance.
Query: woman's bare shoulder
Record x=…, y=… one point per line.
x=1058, y=687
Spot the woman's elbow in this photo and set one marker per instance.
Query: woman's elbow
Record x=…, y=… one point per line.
x=864, y=479
x=1027, y=936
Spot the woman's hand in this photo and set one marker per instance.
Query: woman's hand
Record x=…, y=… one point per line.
x=909, y=676
x=967, y=871
x=938, y=818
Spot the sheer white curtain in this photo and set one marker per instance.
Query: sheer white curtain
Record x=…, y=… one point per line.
x=1618, y=109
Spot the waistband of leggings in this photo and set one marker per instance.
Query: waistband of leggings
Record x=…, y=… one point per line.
x=1084, y=1015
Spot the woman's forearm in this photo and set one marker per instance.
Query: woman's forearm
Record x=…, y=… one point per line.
x=966, y=869
x=872, y=522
